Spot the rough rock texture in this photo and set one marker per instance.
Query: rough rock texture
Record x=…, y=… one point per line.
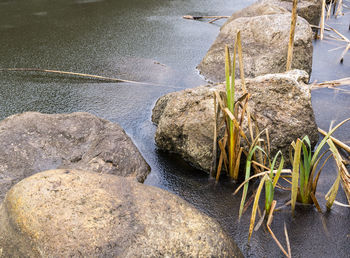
x=33, y=142
x=264, y=42
x=310, y=10
x=257, y=9
x=280, y=102
x=68, y=213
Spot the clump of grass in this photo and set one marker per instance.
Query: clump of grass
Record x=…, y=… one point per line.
x=270, y=179
x=234, y=113
x=305, y=164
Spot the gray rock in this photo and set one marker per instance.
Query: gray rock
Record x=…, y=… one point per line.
x=265, y=42
x=257, y=9
x=310, y=10
x=33, y=142
x=68, y=213
x=280, y=102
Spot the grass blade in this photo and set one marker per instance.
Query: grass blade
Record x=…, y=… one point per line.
x=324, y=140
x=332, y=193
x=295, y=174
x=240, y=58
x=247, y=175
x=255, y=206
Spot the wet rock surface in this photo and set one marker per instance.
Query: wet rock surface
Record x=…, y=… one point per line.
x=257, y=9
x=310, y=10
x=280, y=102
x=69, y=213
x=264, y=44
x=33, y=142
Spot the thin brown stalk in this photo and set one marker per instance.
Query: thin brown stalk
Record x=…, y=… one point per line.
x=314, y=199
x=322, y=19
x=318, y=27
x=213, y=166
x=287, y=240
x=268, y=224
x=238, y=161
x=339, y=9
x=336, y=141
x=249, y=202
x=329, y=10
x=291, y=35
x=344, y=53
x=339, y=34
x=81, y=75
x=190, y=17
x=326, y=84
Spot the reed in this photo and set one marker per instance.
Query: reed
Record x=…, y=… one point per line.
x=322, y=19
x=291, y=35
x=234, y=113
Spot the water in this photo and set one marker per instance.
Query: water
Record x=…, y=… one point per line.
x=149, y=41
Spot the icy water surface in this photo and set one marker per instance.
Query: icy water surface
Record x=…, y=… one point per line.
x=149, y=41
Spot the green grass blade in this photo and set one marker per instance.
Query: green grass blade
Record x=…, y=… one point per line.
x=269, y=192
x=278, y=174
x=247, y=175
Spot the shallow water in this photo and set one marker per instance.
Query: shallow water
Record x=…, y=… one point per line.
x=149, y=41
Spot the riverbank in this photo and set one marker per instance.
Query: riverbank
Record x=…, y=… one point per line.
x=125, y=39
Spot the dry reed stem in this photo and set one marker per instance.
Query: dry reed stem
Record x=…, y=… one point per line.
x=314, y=199
x=336, y=141
x=213, y=166
x=318, y=27
x=345, y=176
x=331, y=84
x=287, y=240
x=344, y=53
x=268, y=224
x=339, y=8
x=190, y=17
x=291, y=36
x=329, y=10
x=98, y=77
x=339, y=34
x=322, y=19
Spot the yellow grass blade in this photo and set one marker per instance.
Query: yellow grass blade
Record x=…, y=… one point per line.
x=240, y=58
x=255, y=206
x=332, y=193
x=295, y=174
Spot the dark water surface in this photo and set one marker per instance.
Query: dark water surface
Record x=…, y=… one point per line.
x=149, y=41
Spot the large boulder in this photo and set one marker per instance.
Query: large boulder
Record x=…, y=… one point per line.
x=280, y=102
x=264, y=42
x=257, y=9
x=68, y=213
x=310, y=10
x=33, y=142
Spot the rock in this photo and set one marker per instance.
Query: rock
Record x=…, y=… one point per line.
x=265, y=42
x=68, y=213
x=257, y=9
x=310, y=10
x=280, y=102
x=33, y=142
